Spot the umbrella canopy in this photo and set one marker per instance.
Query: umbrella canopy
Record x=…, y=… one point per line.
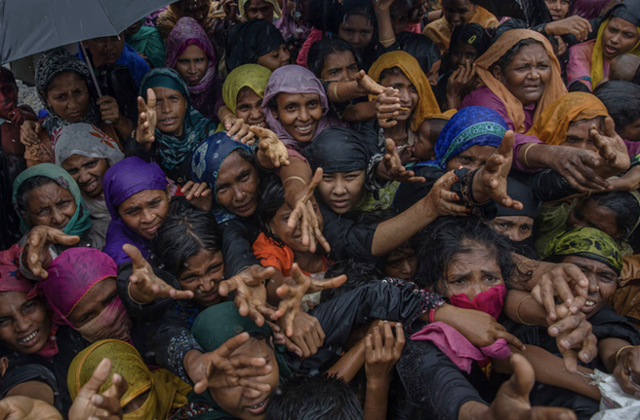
x=33, y=26
x=534, y=12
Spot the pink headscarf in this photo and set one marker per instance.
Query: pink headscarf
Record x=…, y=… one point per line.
x=288, y=26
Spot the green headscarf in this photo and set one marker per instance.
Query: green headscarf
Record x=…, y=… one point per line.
x=589, y=243
x=252, y=76
x=213, y=327
x=80, y=222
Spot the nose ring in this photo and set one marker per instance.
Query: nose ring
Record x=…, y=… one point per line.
x=598, y=289
x=244, y=194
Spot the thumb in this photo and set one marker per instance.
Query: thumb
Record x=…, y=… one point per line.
x=64, y=239
x=506, y=146
x=360, y=75
x=523, y=378
x=390, y=146
x=136, y=256
x=38, y=128
x=99, y=377
x=258, y=131
x=609, y=127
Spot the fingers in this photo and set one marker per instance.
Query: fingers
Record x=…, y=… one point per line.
x=235, y=128
x=333, y=283
x=511, y=339
x=99, y=376
x=506, y=146
x=231, y=345
x=136, y=257
x=151, y=98
x=322, y=240
x=523, y=378
x=260, y=132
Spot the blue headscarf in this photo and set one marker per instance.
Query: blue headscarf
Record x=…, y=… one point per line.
x=471, y=126
x=206, y=162
x=175, y=150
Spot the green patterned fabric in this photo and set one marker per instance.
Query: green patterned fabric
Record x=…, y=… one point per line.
x=589, y=243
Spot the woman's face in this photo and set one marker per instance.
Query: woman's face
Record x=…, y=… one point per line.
x=461, y=53
x=192, y=65
x=399, y=16
x=87, y=172
x=528, y=73
x=401, y=264
x=630, y=131
x=588, y=213
x=299, y=114
x=171, y=109
x=619, y=37
x=292, y=239
x=472, y=273
x=202, y=274
x=68, y=96
x=259, y=9
x=276, y=58
x=237, y=186
x=516, y=228
x=578, y=134
x=472, y=158
x=144, y=212
x=339, y=66
x=24, y=324
x=558, y=8
x=105, y=50
x=94, y=302
x=457, y=12
x=603, y=282
x=249, y=107
x=357, y=30
x=407, y=92
x=342, y=191
x=49, y=205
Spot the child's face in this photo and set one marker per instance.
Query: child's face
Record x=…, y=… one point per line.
x=342, y=191
x=423, y=148
x=292, y=238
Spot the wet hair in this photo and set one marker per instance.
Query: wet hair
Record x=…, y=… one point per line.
x=624, y=205
x=271, y=199
x=622, y=100
x=320, y=50
x=314, y=398
x=444, y=239
x=436, y=125
x=7, y=76
x=183, y=236
x=28, y=186
x=508, y=57
x=393, y=71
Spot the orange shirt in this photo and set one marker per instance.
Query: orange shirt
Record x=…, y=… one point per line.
x=271, y=254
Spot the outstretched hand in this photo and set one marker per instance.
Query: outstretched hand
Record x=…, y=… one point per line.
x=25, y=408
x=493, y=175
x=271, y=146
x=611, y=147
x=391, y=167
x=442, y=201
x=250, y=293
x=367, y=85
x=35, y=254
x=387, y=106
x=90, y=403
x=147, y=120
x=198, y=195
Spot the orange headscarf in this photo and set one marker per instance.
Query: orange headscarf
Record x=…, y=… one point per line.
x=554, y=121
x=555, y=87
x=439, y=31
x=427, y=104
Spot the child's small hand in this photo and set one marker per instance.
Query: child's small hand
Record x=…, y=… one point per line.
x=382, y=352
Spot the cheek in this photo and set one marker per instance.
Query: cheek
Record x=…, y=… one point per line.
x=324, y=190
x=316, y=113
x=244, y=114
x=607, y=289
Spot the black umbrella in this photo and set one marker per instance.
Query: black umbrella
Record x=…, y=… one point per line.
x=33, y=26
x=534, y=12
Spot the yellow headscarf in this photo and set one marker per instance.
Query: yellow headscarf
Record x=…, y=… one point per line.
x=253, y=76
x=427, y=104
x=555, y=86
x=597, y=56
x=440, y=32
x=167, y=391
x=277, y=11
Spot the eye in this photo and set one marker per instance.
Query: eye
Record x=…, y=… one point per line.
x=72, y=171
x=29, y=307
x=525, y=228
x=4, y=322
x=490, y=279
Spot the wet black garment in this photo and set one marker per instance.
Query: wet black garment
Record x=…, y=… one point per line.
x=250, y=40
x=338, y=149
x=348, y=239
x=10, y=167
x=409, y=194
x=628, y=10
x=115, y=80
x=22, y=368
x=238, y=236
x=419, y=46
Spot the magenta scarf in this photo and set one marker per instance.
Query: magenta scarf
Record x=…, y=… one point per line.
x=490, y=302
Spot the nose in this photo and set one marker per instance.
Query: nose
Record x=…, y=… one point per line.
x=165, y=107
x=477, y=289
x=286, y=55
x=593, y=283
x=192, y=67
x=22, y=323
x=303, y=114
x=256, y=113
x=58, y=217
x=206, y=285
x=84, y=177
x=237, y=194
x=404, y=96
x=339, y=188
x=147, y=216
x=615, y=40
x=406, y=268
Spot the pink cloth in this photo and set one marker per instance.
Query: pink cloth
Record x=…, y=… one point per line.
x=457, y=348
x=10, y=278
x=588, y=9
x=314, y=35
x=579, y=66
x=416, y=28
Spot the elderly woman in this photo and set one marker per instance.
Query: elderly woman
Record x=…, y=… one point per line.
x=243, y=92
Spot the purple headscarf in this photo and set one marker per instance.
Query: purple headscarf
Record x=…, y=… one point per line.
x=295, y=79
x=121, y=181
x=288, y=26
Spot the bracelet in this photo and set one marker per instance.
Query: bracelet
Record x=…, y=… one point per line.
x=432, y=315
x=295, y=177
x=526, y=162
x=619, y=351
x=518, y=311
x=130, y=297
x=335, y=92
x=388, y=40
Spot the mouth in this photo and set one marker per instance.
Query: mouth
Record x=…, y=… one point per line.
x=261, y=124
x=168, y=121
x=258, y=408
x=110, y=57
x=208, y=297
x=244, y=208
x=532, y=88
x=90, y=187
x=306, y=130
x=152, y=230
x=611, y=50
x=74, y=114
x=589, y=305
x=30, y=340
x=340, y=203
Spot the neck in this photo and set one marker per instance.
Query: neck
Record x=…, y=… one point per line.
x=398, y=133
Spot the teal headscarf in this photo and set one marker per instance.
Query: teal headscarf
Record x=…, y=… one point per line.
x=80, y=222
x=589, y=243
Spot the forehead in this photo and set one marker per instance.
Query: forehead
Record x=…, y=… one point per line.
x=50, y=191
x=10, y=301
x=65, y=80
x=356, y=21
x=339, y=58
x=478, y=258
x=192, y=51
x=290, y=98
x=232, y=166
x=581, y=128
x=201, y=260
x=621, y=24
x=77, y=161
x=457, y=4
x=142, y=197
x=248, y=96
x=258, y=3
x=517, y=220
x=590, y=263
x=163, y=92
x=478, y=152
x=395, y=79
x=531, y=52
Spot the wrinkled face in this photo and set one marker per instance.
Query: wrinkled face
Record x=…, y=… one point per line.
x=399, y=16
x=578, y=134
x=407, y=92
x=619, y=37
x=472, y=158
x=259, y=9
x=461, y=53
x=631, y=131
x=245, y=403
x=292, y=239
x=144, y=212
x=472, y=273
x=24, y=324
x=49, y=205
x=603, y=282
x=8, y=97
x=192, y=65
x=342, y=191
x=588, y=213
x=202, y=275
x=299, y=114
x=105, y=50
x=276, y=58
x=237, y=186
x=249, y=107
x=87, y=172
x=197, y=9
x=517, y=228
x=94, y=302
x=457, y=12
x=401, y=264
x=171, y=109
x=528, y=73
x=357, y=30
x=339, y=67
x=558, y=8
x=68, y=95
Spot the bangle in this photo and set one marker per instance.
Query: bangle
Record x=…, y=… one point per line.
x=620, y=351
x=335, y=92
x=131, y=297
x=518, y=311
x=526, y=162
x=392, y=40
x=432, y=314
x=295, y=177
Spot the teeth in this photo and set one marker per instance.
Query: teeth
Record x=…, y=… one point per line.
x=259, y=125
x=29, y=337
x=258, y=405
x=589, y=303
x=307, y=128
x=168, y=120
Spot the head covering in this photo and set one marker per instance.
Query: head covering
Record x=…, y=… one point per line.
x=277, y=12
x=440, y=31
x=253, y=76
x=85, y=140
x=121, y=181
x=80, y=222
x=471, y=126
x=51, y=64
x=206, y=162
x=589, y=243
x=250, y=40
x=166, y=391
x=524, y=194
x=515, y=111
x=552, y=125
x=295, y=79
x=427, y=103
x=288, y=27
x=338, y=149
x=147, y=41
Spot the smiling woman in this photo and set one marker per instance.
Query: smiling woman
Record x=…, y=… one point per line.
x=243, y=91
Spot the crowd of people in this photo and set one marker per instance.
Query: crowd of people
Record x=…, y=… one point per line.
x=325, y=209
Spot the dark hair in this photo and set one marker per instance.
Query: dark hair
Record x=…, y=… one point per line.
x=507, y=58
x=6, y=75
x=436, y=125
x=392, y=71
x=468, y=33
x=624, y=205
x=315, y=398
x=28, y=186
x=622, y=100
x=449, y=236
x=271, y=199
x=183, y=236
x=321, y=49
